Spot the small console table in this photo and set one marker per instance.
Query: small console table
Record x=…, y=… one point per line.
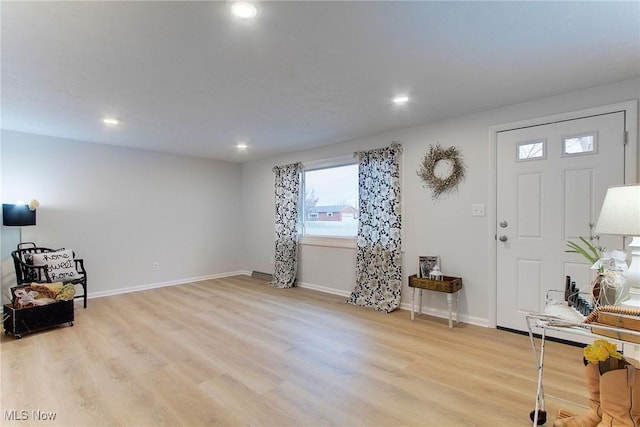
x=449, y=285
x=546, y=322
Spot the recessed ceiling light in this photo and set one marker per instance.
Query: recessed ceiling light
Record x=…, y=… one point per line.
x=400, y=99
x=242, y=147
x=244, y=10
x=110, y=121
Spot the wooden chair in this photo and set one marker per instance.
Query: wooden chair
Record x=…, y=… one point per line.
x=27, y=273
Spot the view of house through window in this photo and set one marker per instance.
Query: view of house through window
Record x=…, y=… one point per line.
x=331, y=201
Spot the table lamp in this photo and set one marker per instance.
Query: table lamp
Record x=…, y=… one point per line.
x=620, y=215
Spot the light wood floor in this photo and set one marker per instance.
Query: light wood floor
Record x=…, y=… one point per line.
x=236, y=351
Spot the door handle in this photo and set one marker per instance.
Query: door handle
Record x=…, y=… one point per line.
x=504, y=224
x=503, y=238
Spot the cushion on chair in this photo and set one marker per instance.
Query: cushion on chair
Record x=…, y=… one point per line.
x=60, y=265
x=27, y=257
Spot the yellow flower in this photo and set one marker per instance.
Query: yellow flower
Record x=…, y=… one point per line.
x=600, y=351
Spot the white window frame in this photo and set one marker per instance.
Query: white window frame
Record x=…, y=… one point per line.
x=328, y=241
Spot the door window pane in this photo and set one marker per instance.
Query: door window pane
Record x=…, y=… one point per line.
x=531, y=150
x=579, y=144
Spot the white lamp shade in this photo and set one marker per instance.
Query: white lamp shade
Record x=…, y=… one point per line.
x=620, y=214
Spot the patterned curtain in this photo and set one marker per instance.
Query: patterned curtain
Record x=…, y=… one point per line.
x=286, y=233
x=379, y=258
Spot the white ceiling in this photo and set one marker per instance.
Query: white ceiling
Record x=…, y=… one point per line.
x=186, y=77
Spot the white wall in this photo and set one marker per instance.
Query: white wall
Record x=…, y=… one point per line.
x=123, y=209
x=443, y=228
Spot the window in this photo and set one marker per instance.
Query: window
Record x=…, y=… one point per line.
x=531, y=150
x=328, y=193
x=579, y=144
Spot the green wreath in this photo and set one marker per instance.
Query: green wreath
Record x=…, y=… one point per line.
x=441, y=170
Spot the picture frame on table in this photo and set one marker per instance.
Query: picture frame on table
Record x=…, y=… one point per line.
x=426, y=265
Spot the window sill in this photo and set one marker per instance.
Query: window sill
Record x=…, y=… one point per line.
x=333, y=242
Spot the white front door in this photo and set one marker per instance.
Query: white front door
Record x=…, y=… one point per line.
x=551, y=182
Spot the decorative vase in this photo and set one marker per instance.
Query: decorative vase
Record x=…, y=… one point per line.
x=607, y=288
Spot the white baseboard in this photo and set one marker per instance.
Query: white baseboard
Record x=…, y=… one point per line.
x=444, y=314
x=324, y=289
x=403, y=306
x=145, y=287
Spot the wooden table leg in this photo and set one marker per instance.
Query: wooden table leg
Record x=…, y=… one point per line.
x=458, y=307
x=413, y=301
x=449, y=303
